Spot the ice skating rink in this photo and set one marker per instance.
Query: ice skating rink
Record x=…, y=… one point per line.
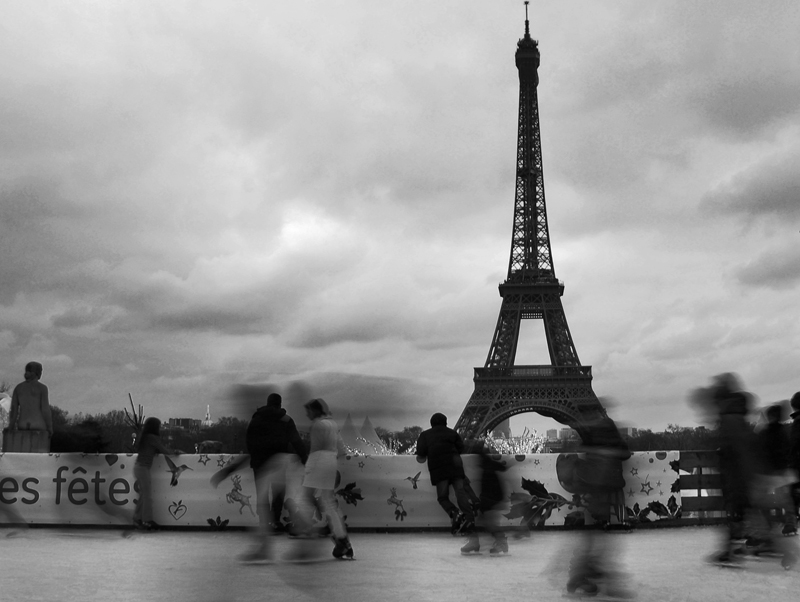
x=660, y=565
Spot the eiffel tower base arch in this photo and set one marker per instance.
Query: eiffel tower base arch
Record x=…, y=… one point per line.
x=562, y=393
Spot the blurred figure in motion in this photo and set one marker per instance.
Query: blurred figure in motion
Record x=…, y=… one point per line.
x=748, y=489
x=493, y=496
x=794, y=452
x=271, y=436
x=442, y=447
x=774, y=446
x=599, y=481
x=737, y=461
x=319, y=480
x=148, y=445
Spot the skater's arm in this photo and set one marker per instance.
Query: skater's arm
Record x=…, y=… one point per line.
x=296, y=443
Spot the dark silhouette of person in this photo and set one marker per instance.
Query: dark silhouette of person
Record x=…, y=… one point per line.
x=271, y=436
x=737, y=460
x=30, y=404
x=493, y=496
x=599, y=482
x=794, y=452
x=774, y=446
x=441, y=447
x=748, y=490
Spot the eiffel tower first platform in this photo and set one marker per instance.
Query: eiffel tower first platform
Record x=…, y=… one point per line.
x=563, y=389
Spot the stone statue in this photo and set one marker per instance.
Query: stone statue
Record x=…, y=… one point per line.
x=30, y=404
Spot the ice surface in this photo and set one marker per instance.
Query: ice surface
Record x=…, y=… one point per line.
x=661, y=565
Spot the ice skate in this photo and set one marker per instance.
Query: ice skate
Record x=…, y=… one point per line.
x=615, y=590
x=500, y=546
x=258, y=555
x=457, y=520
x=727, y=559
x=343, y=550
x=473, y=545
x=761, y=547
x=579, y=586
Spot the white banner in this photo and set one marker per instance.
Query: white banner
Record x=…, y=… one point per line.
x=373, y=491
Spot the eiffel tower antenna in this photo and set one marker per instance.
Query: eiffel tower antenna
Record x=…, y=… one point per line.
x=563, y=389
x=527, y=29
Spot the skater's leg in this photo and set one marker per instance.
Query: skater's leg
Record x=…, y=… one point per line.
x=326, y=502
x=278, y=494
x=144, y=508
x=305, y=508
x=443, y=497
x=473, y=497
x=463, y=500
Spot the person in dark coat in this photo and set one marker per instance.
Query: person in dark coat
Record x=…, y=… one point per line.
x=773, y=443
x=599, y=480
x=794, y=452
x=271, y=435
x=749, y=490
x=441, y=447
x=493, y=496
x=738, y=460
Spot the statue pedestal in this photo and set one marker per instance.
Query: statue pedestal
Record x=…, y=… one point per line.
x=26, y=442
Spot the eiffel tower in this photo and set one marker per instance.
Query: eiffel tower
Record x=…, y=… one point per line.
x=563, y=389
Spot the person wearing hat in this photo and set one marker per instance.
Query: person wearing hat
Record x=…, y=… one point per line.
x=271, y=435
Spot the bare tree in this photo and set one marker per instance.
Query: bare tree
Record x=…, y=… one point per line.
x=135, y=420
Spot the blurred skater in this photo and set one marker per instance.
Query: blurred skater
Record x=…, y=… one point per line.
x=493, y=497
x=271, y=437
x=774, y=446
x=319, y=479
x=794, y=453
x=748, y=490
x=599, y=481
x=737, y=461
x=148, y=445
x=442, y=447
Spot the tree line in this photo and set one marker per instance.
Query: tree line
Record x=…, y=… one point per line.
x=112, y=432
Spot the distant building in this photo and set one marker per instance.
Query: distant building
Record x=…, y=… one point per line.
x=628, y=431
x=187, y=424
x=552, y=434
x=207, y=421
x=567, y=433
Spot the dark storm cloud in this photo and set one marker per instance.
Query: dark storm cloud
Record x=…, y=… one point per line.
x=777, y=269
x=209, y=319
x=77, y=317
x=749, y=105
x=390, y=403
x=770, y=188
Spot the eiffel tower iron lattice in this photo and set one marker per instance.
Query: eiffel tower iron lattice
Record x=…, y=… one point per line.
x=563, y=389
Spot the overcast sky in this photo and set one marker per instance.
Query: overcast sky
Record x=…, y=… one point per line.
x=198, y=194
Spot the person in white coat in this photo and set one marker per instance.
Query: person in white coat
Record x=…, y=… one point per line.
x=319, y=480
